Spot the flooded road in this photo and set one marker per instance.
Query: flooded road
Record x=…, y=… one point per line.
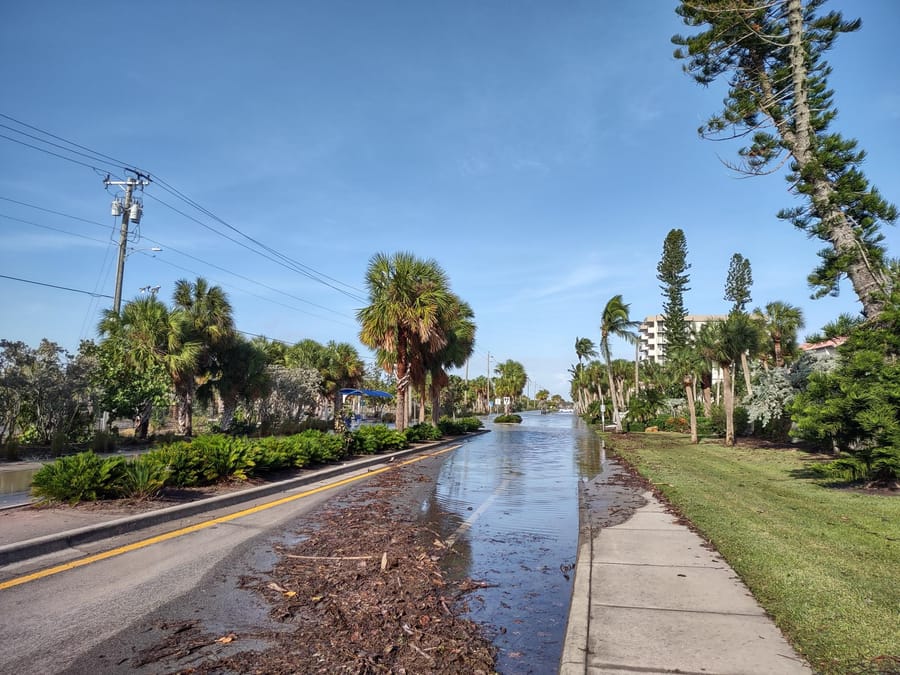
x=512, y=500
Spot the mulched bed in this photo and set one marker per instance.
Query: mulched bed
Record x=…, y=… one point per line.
x=363, y=593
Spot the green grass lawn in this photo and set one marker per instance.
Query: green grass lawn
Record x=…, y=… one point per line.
x=824, y=562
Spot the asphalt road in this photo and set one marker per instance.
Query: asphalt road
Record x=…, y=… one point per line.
x=98, y=617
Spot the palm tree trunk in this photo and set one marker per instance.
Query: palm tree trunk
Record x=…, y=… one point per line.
x=692, y=408
x=612, y=397
x=729, y=404
x=745, y=366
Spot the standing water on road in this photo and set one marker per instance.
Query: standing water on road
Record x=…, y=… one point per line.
x=512, y=496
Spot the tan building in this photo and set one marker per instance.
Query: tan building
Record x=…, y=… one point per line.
x=652, y=333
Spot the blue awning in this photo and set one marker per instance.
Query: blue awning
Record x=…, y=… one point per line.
x=366, y=392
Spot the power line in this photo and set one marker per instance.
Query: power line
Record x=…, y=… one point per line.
x=168, y=247
x=55, y=229
x=286, y=261
x=62, y=288
x=117, y=162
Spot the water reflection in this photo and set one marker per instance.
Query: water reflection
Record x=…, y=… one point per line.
x=16, y=480
x=509, y=501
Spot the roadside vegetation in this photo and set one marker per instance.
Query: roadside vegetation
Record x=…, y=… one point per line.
x=823, y=562
x=214, y=458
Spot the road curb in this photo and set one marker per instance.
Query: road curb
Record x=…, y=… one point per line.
x=51, y=543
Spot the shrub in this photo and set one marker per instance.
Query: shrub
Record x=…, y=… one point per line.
x=183, y=462
x=878, y=465
x=370, y=439
x=318, y=446
x=422, y=432
x=76, y=478
x=143, y=477
x=223, y=457
x=508, y=419
x=717, y=420
x=457, y=427
x=272, y=453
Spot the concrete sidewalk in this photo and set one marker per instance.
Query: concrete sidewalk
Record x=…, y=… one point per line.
x=651, y=597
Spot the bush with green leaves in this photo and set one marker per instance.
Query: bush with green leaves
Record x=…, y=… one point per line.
x=855, y=408
x=457, y=427
x=872, y=465
x=419, y=433
x=318, y=447
x=717, y=420
x=512, y=418
x=223, y=457
x=183, y=461
x=273, y=453
x=76, y=478
x=142, y=477
x=371, y=439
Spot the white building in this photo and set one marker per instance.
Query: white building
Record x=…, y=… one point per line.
x=652, y=333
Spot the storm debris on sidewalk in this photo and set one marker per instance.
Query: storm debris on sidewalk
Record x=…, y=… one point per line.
x=363, y=592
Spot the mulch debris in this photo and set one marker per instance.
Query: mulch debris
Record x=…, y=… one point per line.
x=363, y=592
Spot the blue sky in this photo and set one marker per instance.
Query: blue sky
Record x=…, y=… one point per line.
x=539, y=151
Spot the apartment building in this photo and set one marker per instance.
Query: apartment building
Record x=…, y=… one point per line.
x=652, y=333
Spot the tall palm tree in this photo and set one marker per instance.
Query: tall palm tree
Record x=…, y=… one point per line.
x=407, y=297
x=584, y=349
x=733, y=337
x=615, y=322
x=207, y=319
x=781, y=322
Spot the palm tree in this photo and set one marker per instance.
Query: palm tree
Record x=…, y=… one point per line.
x=341, y=368
x=244, y=377
x=458, y=327
x=732, y=337
x=152, y=340
x=615, y=322
x=584, y=348
x=206, y=318
x=407, y=297
x=781, y=321
x=705, y=344
x=683, y=364
x=511, y=379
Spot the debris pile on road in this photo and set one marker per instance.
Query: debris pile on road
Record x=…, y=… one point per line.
x=364, y=593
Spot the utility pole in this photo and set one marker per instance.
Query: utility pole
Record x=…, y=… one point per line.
x=130, y=210
x=489, y=402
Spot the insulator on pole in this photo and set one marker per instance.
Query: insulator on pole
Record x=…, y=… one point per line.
x=135, y=214
x=116, y=208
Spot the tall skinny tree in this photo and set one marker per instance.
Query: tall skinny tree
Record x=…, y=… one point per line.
x=772, y=54
x=737, y=289
x=615, y=322
x=672, y=272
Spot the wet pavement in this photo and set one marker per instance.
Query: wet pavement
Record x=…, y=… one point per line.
x=510, y=510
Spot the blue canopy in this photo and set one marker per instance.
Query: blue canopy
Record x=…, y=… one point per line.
x=366, y=392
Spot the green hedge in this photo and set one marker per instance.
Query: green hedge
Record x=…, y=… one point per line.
x=204, y=460
x=457, y=427
x=419, y=433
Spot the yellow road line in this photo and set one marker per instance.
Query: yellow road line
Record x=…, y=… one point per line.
x=81, y=562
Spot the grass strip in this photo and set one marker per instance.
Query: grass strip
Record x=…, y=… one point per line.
x=823, y=562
